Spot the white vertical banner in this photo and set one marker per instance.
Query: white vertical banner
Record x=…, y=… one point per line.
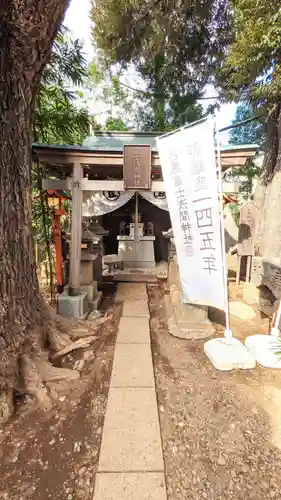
x=188, y=166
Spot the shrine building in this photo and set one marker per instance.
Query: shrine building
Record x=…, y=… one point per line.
x=119, y=210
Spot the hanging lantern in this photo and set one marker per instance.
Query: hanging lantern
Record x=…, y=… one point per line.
x=54, y=200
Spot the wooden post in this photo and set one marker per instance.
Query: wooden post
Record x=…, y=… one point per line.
x=76, y=230
x=238, y=271
x=58, y=250
x=248, y=271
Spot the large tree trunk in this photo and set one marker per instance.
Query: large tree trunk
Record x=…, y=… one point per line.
x=27, y=30
x=269, y=238
x=158, y=103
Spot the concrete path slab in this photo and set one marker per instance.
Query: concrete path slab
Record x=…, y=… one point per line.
x=132, y=366
x=131, y=291
x=133, y=331
x=131, y=435
x=130, y=486
x=135, y=309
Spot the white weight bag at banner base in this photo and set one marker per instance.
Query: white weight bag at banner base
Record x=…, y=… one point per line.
x=227, y=354
x=267, y=348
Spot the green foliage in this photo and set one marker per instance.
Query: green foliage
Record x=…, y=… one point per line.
x=173, y=46
x=57, y=119
x=188, y=37
x=235, y=211
x=252, y=69
x=176, y=114
x=250, y=133
x=115, y=124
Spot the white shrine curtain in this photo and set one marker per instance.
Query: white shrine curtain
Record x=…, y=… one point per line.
x=156, y=199
x=95, y=203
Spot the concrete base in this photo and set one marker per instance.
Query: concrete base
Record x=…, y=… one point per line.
x=73, y=306
x=91, y=290
x=94, y=297
x=264, y=349
x=229, y=354
x=188, y=321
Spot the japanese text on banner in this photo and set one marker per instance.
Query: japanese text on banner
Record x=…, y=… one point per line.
x=189, y=172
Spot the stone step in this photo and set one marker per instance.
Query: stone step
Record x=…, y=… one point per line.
x=129, y=486
x=131, y=434
x=136, y=309
x=132, y=366
x=133, y=332
x=131, y=291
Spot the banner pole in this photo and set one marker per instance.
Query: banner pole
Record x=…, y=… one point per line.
x=275, y=329
x=227, y=331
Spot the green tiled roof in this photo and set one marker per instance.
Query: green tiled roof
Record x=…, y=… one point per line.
x=115, y=141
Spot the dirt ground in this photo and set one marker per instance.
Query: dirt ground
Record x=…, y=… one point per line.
x=54, y=455
x=221, y=431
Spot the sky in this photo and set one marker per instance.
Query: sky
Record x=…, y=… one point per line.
x=77, y=19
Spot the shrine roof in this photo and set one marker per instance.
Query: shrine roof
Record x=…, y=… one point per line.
x=115, y=142
x=105, y=150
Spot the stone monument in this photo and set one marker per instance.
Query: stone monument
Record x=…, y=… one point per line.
x=248, y=219
x=186, y=321
x=98, y=247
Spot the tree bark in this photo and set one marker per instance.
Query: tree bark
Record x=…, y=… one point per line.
x=28, y=28
x=158, y=103
x=269, y=237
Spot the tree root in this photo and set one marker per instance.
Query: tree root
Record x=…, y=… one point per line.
x=58, y=340
x=37, y=373
x=72, y=346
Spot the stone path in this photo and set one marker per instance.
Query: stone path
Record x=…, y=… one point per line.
x=131, y=465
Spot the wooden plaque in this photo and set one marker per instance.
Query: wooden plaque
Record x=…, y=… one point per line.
x=137, y=167
x=249, y=214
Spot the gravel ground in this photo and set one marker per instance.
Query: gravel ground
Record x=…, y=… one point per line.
x=221, y=432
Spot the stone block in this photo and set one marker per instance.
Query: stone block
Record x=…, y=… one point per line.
x=86, y=273
x=256, y=272
x=131, y=291
x=267, y=272
x=135, y=309
x=97, y=269
x=91, y=290
x=76, y=306
x=129, y=486
x=132, y=366
x=183, y=325
x=134, y=332
x=137, y=254
x=131, y=436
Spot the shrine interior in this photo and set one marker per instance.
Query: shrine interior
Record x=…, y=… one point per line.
x=148, y=214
